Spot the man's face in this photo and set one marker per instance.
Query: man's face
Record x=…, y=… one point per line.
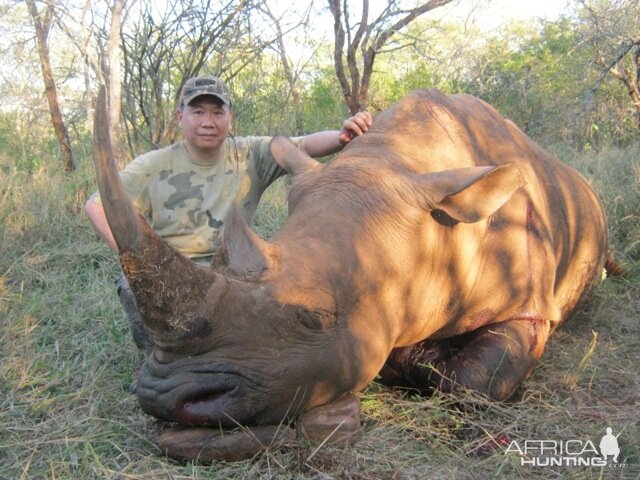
x=205, y=123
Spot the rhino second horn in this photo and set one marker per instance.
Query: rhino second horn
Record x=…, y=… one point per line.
x=248, y=254
x=290, y=157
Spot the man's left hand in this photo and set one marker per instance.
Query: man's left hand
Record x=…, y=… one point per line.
x=354, y=127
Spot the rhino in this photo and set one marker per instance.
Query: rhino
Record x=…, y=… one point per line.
x=437, y=252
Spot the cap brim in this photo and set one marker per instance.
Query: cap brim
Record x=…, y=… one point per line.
x=188, y=100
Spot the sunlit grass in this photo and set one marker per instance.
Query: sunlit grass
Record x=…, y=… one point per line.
x=67, y=362
x=272, y=211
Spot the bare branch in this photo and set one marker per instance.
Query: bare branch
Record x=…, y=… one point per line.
x=366, y=42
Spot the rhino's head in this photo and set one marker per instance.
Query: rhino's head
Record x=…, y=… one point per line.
x=244, y=359
x=228, y=350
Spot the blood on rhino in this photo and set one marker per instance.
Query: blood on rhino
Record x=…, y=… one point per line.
x=437, y=252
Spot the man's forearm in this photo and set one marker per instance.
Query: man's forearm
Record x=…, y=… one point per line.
x=321, y=143
x=96, y=214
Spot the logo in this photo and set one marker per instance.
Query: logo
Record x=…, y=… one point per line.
x=609, y=445
x=569, y=453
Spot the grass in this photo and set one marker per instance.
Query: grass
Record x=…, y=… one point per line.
x=67, y=363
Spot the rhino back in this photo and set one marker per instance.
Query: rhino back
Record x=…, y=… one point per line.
x=375, y=255
x=561, y=209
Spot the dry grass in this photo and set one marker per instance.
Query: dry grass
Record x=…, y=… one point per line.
x=67, y=363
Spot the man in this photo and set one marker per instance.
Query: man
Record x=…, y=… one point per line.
x=185, y=190
x=609, y=445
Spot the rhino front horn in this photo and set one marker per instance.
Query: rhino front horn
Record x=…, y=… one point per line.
x=121, y=216
x=168, y=287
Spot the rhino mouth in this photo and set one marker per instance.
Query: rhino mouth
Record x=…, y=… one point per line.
x=191, y=392
x=209, y=408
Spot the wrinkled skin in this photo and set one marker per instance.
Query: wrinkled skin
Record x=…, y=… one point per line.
x=439, y=250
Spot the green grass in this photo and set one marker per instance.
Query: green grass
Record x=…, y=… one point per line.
x=67, y=362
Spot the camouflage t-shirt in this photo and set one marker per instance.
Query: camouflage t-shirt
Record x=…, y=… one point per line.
x=186, y=202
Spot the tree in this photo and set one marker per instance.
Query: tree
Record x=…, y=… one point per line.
x=291, y=73
x=535, y=75
x=357, y=44
x=115, y=81
x=95, y=32
x=171, y=44
x=42, y=25
x=612, y=31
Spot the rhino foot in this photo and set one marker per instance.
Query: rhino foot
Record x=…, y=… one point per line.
x=492, y=360
x=335, y=423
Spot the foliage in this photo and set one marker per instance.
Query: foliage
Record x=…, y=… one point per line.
x=611, y=30
x=545, y=80
x=171, y=44
x=361, y=34
x=20, y=143
x=262, y=105
x=438, y=58
x=531, y=76
x=615, y=174
x=541, y=75
x=323, y=108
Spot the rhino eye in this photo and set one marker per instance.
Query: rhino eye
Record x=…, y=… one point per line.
x=316, y=320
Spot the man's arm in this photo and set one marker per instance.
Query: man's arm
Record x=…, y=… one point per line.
x=325, y=143
x=96, y=214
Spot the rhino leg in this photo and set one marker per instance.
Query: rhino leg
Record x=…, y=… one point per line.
x=335, y=423
x=493, y=360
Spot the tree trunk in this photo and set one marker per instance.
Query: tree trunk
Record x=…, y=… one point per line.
x=630, y=79
x=42, y=24
x=290, y=74
x=115, y=82
x=612, y=30
x=84, y=49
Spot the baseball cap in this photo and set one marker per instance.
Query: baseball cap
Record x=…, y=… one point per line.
x=204, y=85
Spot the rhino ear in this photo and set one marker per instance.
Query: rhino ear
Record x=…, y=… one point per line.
x=470, y=194
x=247, y=253
x=290, y=157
